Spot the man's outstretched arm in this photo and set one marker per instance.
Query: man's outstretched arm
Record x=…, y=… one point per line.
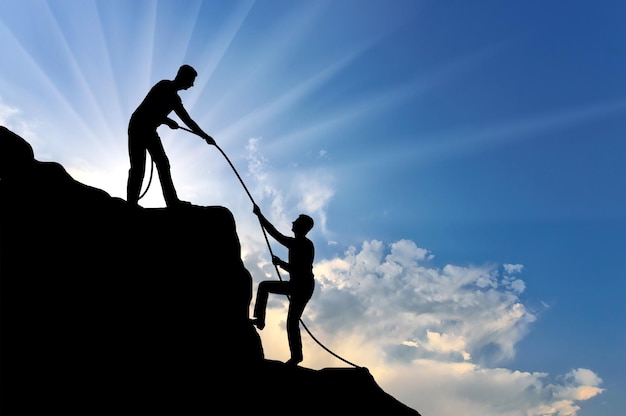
x=186, y=118
x=283, y=239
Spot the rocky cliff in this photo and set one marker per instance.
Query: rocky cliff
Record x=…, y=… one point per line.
x=108, y=309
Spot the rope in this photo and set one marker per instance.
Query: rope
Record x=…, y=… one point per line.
x=272, y=254
x=149, y=180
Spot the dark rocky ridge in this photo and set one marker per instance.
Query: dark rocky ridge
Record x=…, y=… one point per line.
x=106, y=309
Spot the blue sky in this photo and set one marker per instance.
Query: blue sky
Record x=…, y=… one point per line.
x=463, y=161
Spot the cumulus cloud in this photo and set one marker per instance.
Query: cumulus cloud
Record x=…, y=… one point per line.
x=434, y=335
x=453, y=312
x=440, y=388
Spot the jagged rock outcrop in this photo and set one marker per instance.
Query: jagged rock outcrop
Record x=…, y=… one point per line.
x=108, y=309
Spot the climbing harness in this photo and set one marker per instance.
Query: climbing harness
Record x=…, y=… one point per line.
x=270, y=249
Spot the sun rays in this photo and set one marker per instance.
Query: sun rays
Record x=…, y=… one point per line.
x=94, y=62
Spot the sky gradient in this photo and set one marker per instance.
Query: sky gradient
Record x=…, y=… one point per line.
x=463, y=162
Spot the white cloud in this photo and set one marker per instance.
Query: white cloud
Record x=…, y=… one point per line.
x=584, y=376
x=314, y=191
x=438, y=388
x=445, y=343
x=513, y=268
x=256, y=161
x=432, y=337
x=578, y=384
x=473, y=310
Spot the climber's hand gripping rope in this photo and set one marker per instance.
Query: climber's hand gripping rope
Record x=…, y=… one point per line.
x=210, y=140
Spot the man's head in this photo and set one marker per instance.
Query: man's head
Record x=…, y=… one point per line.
x=186, y=76
x=302, y=224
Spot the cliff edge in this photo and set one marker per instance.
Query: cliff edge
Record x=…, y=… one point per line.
x=109, y=309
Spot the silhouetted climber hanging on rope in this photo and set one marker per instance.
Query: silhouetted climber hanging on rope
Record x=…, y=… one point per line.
x=299, y=288
x=300, y=266
x=153, y=111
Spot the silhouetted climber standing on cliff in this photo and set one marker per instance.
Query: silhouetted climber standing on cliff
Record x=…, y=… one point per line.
x=153, y=111
x=299, y=288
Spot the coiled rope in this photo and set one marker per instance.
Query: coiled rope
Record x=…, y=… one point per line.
x=270, y=249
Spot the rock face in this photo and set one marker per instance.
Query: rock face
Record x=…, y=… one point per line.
x=108, y=309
